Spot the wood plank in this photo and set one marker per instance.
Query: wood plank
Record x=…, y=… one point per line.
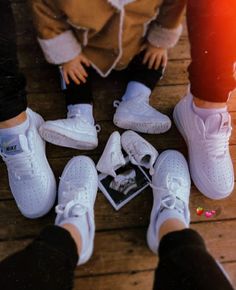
x=126, y=250
x=164, y=98
x=134, y=214
x=131, y=281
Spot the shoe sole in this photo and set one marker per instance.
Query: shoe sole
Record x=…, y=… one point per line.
x=148, y=128
x=59, y=139
x=196, y=179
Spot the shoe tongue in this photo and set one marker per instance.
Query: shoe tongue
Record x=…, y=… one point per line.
x=218, y=123
x=14, y=144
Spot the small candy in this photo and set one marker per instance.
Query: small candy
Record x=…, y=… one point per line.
x=199, y=210
x=208, y=214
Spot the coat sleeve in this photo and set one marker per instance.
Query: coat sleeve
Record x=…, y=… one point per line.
x=55, y=37
x=165, y=31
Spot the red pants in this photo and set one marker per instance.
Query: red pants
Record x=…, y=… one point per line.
x=212, y=35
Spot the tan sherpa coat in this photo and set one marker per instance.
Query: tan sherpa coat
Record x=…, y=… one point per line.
x=109, y=32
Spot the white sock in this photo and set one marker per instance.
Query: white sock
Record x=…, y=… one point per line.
x=16, y=130
x=81, y=224
x=205, y=113
x=168, y=214
x=136, y=89
x=84, y=110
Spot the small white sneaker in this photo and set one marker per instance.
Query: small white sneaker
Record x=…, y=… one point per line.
x=30, y=177
x=139, y=150
x=208, y=146
x=112, y=157
x=75, y=133
x=76, y=198
x=171, y=189
x=136, y=114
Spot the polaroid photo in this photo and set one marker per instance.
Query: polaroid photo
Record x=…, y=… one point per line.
x=128, y=183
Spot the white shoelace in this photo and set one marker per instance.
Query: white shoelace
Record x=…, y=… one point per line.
x=79, y=203
x=218, y=147
x=172, y=193
x=23, y=164
x=133, y=152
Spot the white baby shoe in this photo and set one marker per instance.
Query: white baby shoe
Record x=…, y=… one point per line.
x=139, y=150
x=112, y=157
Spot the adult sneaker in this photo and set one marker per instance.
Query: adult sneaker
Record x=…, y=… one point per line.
x=139, y=150
x=171, y=189
x=112, y=157
x=30, y=177
x=208, y=146
x=137, y=114
x=76, y=198
x=75, y=133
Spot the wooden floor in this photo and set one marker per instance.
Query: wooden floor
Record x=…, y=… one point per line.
x=121, y=258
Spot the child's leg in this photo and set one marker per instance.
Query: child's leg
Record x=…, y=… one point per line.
x=139, y=72
x=78, y=130
x=134, y=112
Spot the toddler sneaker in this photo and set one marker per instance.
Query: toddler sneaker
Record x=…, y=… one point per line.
x=74, y=132
x=76, y=198
x=30, y=177
x=139, y=150
x=135, y=113
x=171, y=189
x=112, y=157
x=208, y=146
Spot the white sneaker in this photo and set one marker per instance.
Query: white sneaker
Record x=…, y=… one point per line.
x=30, y=177
x=75, y=133
x=171, y=189
x=209, y=157
x=139, y=150
x=76, y=198
x=112, y=157
x=136, y=114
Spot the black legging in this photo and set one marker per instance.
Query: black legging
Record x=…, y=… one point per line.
x=49, y=261
x=12, y=82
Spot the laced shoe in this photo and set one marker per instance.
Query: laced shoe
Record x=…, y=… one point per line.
x=76, y=198
x=139, y=150
x=171, y=189
x=137, y=114
x=30, y=177
x=74, y=132
x=208, y=147
x=112, y=157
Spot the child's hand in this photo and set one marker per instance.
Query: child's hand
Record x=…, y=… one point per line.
x=74, y=69
x=155, y=56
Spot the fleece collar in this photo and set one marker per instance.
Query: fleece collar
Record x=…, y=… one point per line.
x=119, y=4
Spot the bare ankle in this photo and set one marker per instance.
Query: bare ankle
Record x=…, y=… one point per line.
x=14, y=121
x=169, y=226
x=75, y=234
x=208, y=105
